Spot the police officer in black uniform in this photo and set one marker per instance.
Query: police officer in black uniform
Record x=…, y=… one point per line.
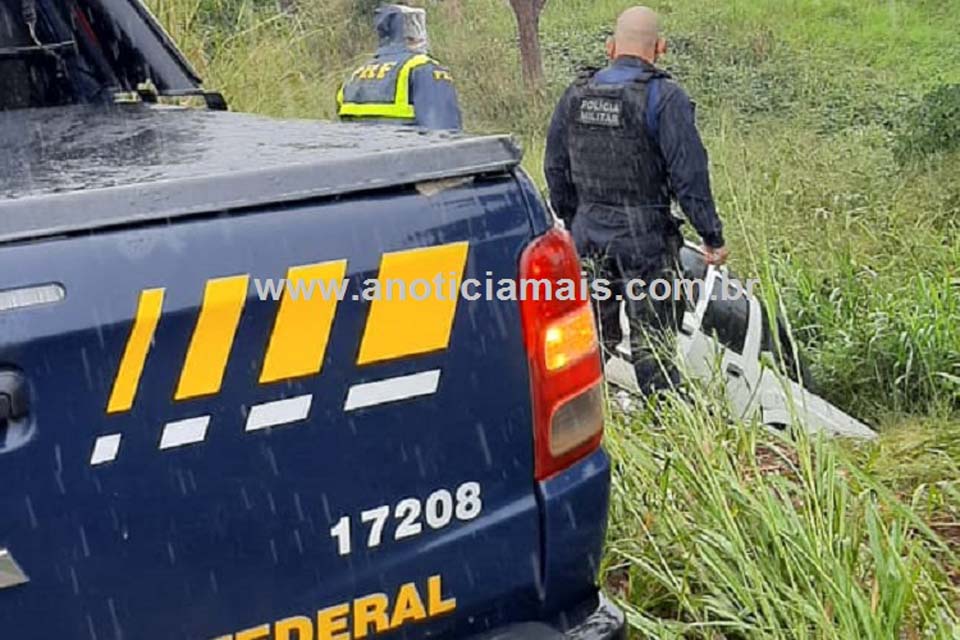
x=622, y=145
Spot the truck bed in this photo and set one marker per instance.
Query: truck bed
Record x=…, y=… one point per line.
x=76, y=169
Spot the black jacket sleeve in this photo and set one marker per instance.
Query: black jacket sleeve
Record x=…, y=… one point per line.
x=556, y=165
x=687, y=164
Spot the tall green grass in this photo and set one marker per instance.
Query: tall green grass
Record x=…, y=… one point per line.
x=719, y=530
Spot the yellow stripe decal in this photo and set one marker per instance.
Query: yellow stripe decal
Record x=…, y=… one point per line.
x=213, y=337
x=401, y=325
x=302, y=328
x=135, y=354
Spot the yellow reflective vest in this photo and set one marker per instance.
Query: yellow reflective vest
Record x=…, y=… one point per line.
x=381, y=88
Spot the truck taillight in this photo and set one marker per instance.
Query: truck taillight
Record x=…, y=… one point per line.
x=563, y=354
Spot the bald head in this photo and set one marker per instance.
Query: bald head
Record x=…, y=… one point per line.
x=637, y=34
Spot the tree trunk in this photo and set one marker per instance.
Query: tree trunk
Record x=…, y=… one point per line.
x=528, y=26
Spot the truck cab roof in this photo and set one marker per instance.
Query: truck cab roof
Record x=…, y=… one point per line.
x=173, y=162
x=61, y=52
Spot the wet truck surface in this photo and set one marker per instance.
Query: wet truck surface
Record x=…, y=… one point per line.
x=187, y=451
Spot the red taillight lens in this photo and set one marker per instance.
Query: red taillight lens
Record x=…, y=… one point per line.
x=563, y=353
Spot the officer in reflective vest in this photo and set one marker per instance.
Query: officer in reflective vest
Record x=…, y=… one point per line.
x=402, y=84
x=623, y=143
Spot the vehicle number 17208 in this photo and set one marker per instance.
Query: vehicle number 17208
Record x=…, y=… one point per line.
x=438, y=511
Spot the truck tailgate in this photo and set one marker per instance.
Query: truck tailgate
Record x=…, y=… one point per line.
x=201, y=460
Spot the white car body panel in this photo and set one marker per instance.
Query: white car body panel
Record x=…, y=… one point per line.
x=754, y=391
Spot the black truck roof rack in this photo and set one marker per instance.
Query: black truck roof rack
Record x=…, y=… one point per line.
x=81, y=168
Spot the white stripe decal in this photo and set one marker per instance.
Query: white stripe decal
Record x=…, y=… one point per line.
x=105, y=449
x=31, y=296
x=392, y=389
x=272, y=414
x=181, y=432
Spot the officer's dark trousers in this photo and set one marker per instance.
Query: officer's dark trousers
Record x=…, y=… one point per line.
x=625, y=251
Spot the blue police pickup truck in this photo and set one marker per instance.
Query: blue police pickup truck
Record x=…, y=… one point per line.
x=186, y=456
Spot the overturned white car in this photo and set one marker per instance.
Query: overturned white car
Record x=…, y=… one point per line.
x=728, y=332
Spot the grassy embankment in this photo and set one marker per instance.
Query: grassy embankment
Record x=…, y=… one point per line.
x=835, y=143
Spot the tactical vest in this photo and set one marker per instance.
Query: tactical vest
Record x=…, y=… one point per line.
x=381, y=88
x=614, y=159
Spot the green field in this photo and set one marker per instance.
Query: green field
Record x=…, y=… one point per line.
x=834, y=133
